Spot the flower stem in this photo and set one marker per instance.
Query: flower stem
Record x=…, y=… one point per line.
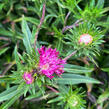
x=73, y=53
x=72, y=26
x=66, y=17
x=39, y=26
x=54, y=90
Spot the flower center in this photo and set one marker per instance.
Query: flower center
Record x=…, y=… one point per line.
x=27, y=79
x=75, y=103
x=85, y=38
x=45, y=67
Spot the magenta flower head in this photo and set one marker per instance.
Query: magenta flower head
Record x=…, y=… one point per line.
x=28, y=78
x=50, y=63
x=86, y=39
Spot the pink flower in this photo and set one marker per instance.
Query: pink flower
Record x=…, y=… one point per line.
x=85, y=38
x=50, y=63
x=28, y=78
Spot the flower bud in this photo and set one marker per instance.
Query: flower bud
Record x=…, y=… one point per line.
x=28, y=78
x=86, y=39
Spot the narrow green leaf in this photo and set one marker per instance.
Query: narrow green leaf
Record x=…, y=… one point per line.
x=16, y=57
x=32, y=20
x=104, y=96
x=75, y=79
x=50, y=16
x=9, y=93
x=1, y=6
x=27, y=37
x=92, y=3
x=106, y=51
x=26, y=90
x=105, y=69
x=5, y=32
x=6, y=79
x=100, y=3
x=59, y=45
x=55, y=100
x=105, y=10
x=77, y=69
x=3, y=50
x=8, y=103
x=38, y=94
x=34, y=30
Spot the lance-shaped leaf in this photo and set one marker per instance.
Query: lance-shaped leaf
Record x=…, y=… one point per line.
x=100, y=3
x=19, y=91
x=9, y=93
x=75, y=79
x=3, y=50
x=8, y=103
x=55, y=99
x=38, y=94
x=17, y=57
x=105, y=69
x=27, y=37
x=103, y=97
x=77, y=69
x=6, y=79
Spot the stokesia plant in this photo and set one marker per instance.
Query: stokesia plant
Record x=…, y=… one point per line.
x=43, y=71
x=72, y=99
x=50, y=63
x=85, y=39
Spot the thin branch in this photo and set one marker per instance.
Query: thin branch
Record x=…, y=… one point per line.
x=85, y=60
x=6, y=21
x=99, y=107
x=50, y=33
x=48, y=94
x=72, y=26
x=5, y=45
x=39, y=26
x=66, y=17
x=51, y=88
x=4, y=38
x=41, y=98
x=91, y=98
x=13, y=25
x=73, y=53
x=8, y=67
